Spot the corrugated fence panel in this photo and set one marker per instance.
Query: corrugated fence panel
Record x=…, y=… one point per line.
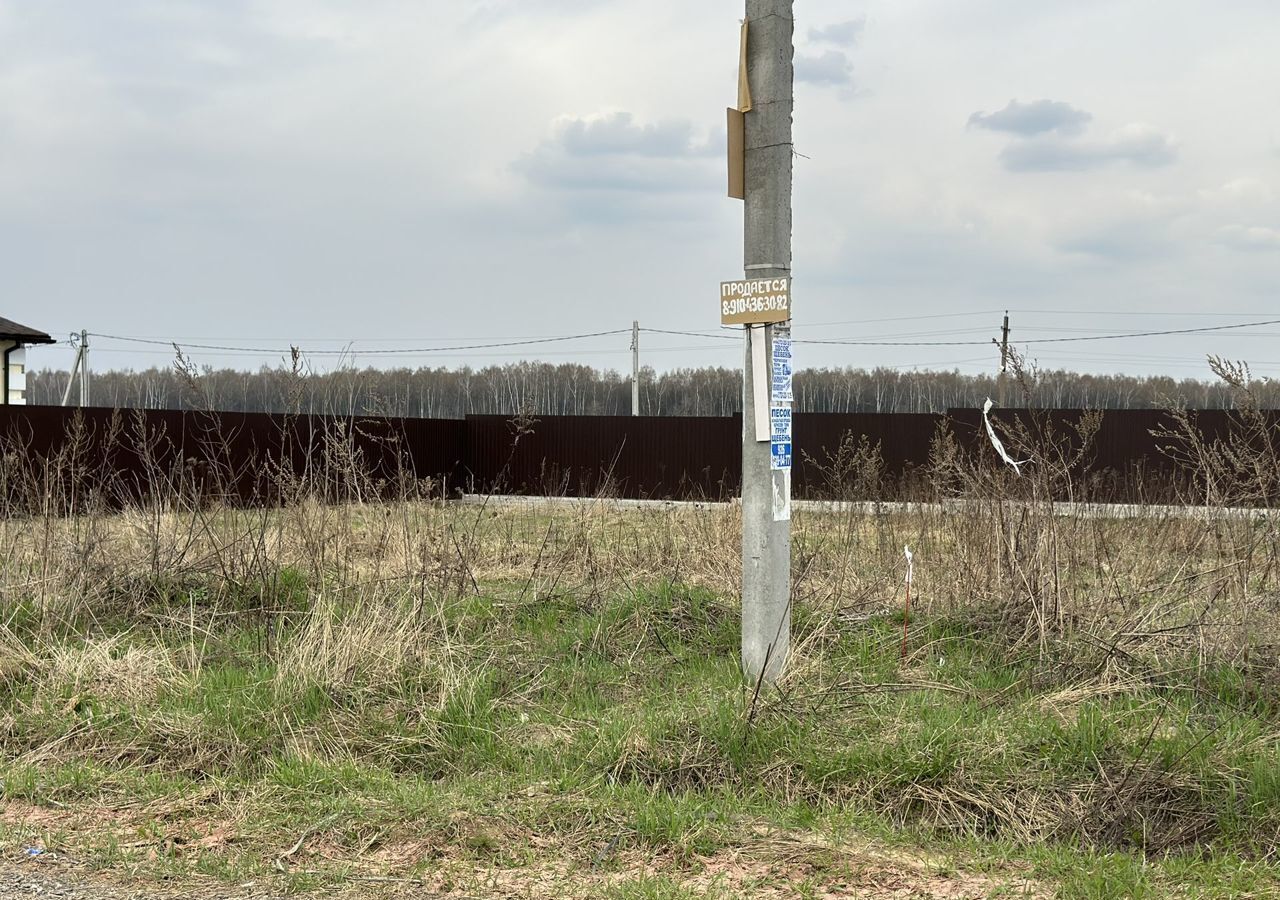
x=259, y=458
x=630, y=456
x=1136, y=455
x=827, y=444
x=674, y=457
x=247, y=457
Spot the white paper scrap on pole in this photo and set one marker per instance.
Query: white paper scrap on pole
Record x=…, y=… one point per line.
x=781, y=495
x=995, y=441
x=906, y=551
x=759, y=381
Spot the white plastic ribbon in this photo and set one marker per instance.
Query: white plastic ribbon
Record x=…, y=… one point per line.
x=906, y=606
x=995, y=441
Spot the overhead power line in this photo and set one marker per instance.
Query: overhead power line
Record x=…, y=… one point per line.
x=734, y=335
x=347, y=352
x=1163, y=314
x=1058, y=340
x=952, y=315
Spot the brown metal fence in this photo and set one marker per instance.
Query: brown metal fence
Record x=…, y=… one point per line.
x=259, y=458
x=251, y=458
x=631, y=456
x=1134, y=455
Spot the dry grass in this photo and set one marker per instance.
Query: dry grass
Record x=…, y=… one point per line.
x=515, y=679
x=106, y=668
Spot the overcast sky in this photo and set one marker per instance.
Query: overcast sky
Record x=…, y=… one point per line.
x=405, y=173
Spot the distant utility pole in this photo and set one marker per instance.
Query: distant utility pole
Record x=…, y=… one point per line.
x=766, y=490
x=1004, y=359
x=79, y=367
x=635, y=368
x=84, y=368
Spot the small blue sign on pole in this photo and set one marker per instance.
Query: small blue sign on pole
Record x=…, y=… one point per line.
x=780, y=399
x=780, y=455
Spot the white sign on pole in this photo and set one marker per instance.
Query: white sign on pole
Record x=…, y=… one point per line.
x=781, y=387
x=780, y=399
x=780, y=423
x=755, y=300
x=759, y=382
x=780, y=437
x=780, y=370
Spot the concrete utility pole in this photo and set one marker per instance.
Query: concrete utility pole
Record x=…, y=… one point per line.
x=635, y=368
x=766, y=540
x=1004, y=359
x=75, y=370
x=84, y=368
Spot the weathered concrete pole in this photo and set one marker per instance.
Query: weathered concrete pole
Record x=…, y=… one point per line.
x=635, y=368
x=766, y=541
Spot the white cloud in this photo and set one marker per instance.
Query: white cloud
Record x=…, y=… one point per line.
x=829, y=68
x=618, y=134
x=1136, y=145
x=841, y=33
x=612, y=153
x=1250, y=237
x=1036, y=117
x=1243, y=191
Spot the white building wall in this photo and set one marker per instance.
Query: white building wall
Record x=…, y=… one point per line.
x=18, y=377
x=17, y=373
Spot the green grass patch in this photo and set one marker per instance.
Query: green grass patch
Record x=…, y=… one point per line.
x=616, y=721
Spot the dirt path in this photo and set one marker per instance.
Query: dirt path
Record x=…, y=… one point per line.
x=53, y=878
x=767, y=865
x=60, y=879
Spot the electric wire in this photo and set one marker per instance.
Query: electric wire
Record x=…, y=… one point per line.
x=356, y=354
x=1058, y=340
x=1116, y=312
x=955, y=315
x=737, y=335
x=877, y=341
x=935, y=364
x=347, y=352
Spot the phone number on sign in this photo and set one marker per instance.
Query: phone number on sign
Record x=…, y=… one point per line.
x=739, y=305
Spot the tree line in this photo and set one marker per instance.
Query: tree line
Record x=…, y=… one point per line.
x=571, y=389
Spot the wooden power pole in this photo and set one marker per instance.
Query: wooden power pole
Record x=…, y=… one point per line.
x=766, y=487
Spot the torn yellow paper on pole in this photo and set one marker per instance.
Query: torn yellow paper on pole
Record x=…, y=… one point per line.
x=736, y=124
x=735, y=128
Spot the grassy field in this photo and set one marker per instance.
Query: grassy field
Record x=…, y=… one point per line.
x=501, y=700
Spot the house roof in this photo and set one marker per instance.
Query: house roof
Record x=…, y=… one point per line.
x=12, y=331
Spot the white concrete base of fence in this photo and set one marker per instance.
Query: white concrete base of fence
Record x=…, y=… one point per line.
x=873, y=508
